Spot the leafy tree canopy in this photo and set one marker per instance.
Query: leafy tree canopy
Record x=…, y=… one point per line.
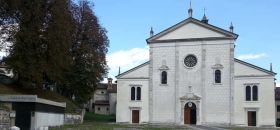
x=56, y=42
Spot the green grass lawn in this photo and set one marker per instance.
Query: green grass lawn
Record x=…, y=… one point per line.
x=107, y=122
x=111, y=126
x=90, y=117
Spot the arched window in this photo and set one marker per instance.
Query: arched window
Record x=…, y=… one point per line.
x=132, y=93
x=138, y=93
x=135, y=93
x=217, y=76
x=248, y=93
x=163, y=77
x=255, y=93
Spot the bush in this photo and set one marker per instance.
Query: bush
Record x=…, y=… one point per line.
x=89, y=116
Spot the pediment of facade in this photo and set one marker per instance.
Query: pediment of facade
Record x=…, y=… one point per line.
x=190, y=96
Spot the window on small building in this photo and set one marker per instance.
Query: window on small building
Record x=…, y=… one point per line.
x=251, y=93
x=217, y=76
x=132, y=93
x=248, y=93
x=138, y=93
x=163, y=77
x=278, y=108
x=107, y=109
x=255, y=93
x=135, y=93
x=98, y=108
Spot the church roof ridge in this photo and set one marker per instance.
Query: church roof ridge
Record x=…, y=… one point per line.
x=150, y=39
x=255, y=67
x=132, y=69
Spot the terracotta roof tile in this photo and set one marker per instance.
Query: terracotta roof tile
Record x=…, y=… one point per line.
x=101, y=102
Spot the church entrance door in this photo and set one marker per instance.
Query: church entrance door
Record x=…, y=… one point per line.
x=252, y=120
x=190, y=113
x=135, y=116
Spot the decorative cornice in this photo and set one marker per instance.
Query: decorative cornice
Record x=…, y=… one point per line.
x=217, y=66
x=192, y=39
x=135, y=68
x=198, y=22
x=252, y=76
x=163, y=67
x=255, y=67
x=190, y=96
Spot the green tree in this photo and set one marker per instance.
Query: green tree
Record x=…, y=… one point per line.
x=26, y=53
x=43, y=40
x=56, y=41
x=89, y=50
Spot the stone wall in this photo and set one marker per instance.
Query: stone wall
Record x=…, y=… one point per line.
x=4, y=119
x=76, y=118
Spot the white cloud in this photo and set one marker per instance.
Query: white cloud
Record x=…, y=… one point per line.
x=277, y=84
x=126, y=59
x=252, y=56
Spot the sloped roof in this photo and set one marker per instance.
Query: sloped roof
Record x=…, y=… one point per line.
x=102, y=86
x=255, y=67
x=135, y=68
x=110, y=89
x=229, y=34
x=101, y=102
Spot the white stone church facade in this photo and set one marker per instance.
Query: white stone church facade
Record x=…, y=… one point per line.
x=192, y=77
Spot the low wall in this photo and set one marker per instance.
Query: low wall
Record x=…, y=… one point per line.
x=43, y=119
x=77, y=118
x=5, y=121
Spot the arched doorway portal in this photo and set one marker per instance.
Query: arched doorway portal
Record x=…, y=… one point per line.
x=190, y=113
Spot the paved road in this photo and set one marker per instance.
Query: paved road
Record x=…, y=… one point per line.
x=200, y=127
x=193, y=127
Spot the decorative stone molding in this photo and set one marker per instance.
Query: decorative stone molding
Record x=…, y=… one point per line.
x=190, y=96
x=163, y=67
x=251, y=84
x=217, y=66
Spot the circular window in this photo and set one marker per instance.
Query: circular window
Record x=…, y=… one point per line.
x=190, y=61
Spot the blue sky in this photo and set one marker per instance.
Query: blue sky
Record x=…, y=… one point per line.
x=128, y=23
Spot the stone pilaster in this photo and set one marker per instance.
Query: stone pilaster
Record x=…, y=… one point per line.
x=176, y=78
x=151, y=86
x=231, y=102
x=203, y=92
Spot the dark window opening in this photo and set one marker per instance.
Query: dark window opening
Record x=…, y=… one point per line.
x=132, y=93
x=98, y=108
x=248, y=93
x=278, y=108
x=163, y=77
x=138, y=93
x=255, y=93
x=217, y=76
